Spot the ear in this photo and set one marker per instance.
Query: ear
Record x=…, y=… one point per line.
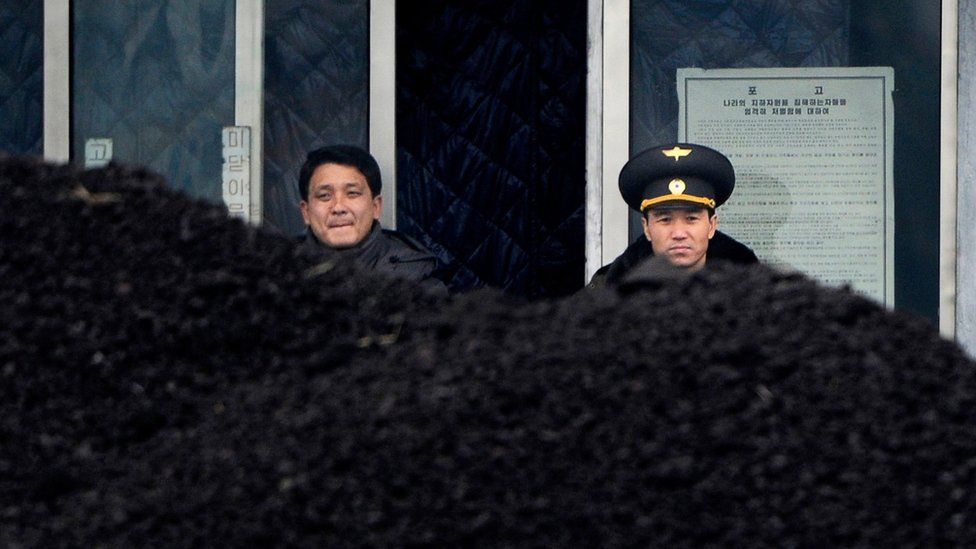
x=303, y=206
x=377, y=206
x=646, y=225
x=713, y=223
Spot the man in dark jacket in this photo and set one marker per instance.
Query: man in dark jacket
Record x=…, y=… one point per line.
x=340, y=188
x=676, y=188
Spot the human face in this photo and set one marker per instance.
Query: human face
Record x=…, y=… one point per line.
x=680, y=236
x=340, y=208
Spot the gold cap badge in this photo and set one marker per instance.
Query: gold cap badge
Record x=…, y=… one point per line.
x=676, y=186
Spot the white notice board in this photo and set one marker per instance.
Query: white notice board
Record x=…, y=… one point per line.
x=812, y=151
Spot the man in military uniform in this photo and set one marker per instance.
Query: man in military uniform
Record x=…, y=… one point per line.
x=676, y=188
x=340, y=188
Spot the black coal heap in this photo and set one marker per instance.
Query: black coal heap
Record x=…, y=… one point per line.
x=170, y=376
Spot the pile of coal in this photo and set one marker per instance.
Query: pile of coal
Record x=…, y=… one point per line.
x=128, y=313
x=174, y=377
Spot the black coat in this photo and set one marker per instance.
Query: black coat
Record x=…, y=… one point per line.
x=383, y=251
x=721, y=247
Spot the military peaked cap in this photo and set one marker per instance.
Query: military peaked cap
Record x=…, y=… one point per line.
x=677, y=176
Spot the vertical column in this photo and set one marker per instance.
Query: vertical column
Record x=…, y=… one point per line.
x=947, y=169
x=57, y=80
x=616, y=123
x=382, y=100
x=594, y=138
x=965, y=203
x=249, y=92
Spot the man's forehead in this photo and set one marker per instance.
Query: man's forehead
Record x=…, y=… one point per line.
x=334, y=170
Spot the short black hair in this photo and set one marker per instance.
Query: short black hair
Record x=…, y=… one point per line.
x=344, y=155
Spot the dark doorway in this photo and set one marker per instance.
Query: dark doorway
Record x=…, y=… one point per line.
x=21, y=77
x=490, y=140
